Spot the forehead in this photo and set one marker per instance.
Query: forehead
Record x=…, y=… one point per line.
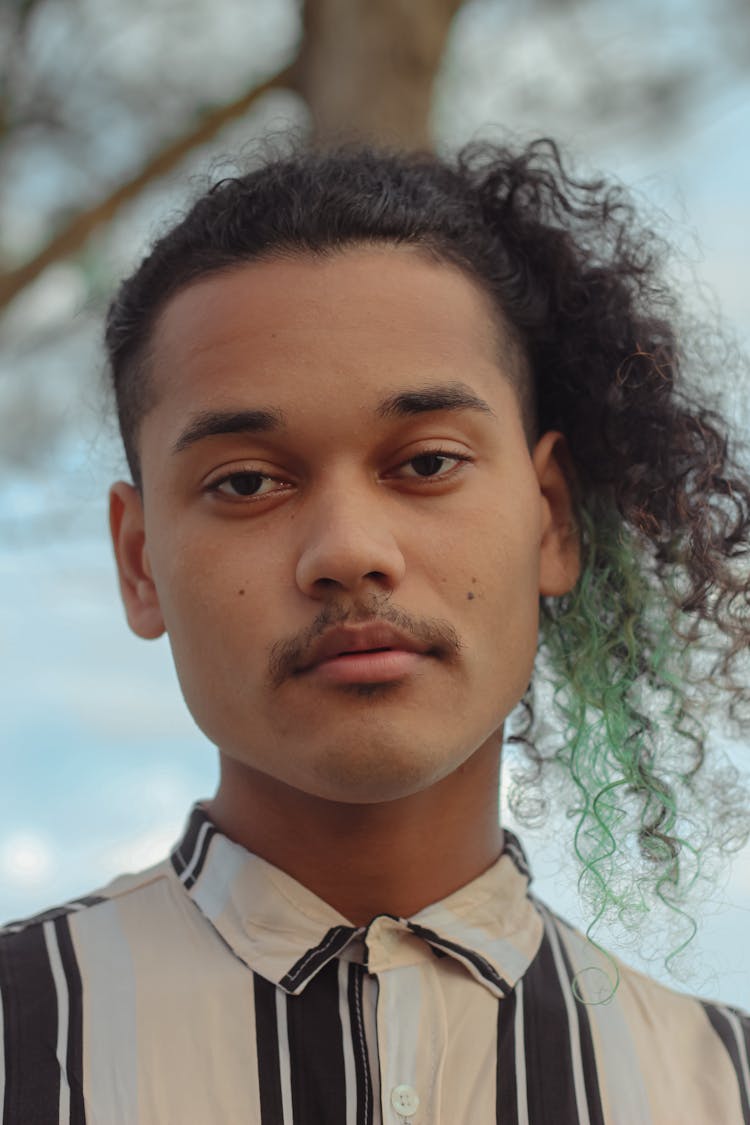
x=323, y=337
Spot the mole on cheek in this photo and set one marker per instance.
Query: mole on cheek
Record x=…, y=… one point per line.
x=470, y=596
x=241, y=593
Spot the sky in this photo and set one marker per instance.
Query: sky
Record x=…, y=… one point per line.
x=99, y=757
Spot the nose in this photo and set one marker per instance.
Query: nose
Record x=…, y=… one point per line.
x=349, y=545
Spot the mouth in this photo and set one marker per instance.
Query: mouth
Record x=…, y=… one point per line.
x=372, y=653
x=368, y=666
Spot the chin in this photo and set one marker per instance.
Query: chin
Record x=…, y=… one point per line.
x=378, y=772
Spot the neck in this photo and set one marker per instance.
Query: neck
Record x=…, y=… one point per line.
x=395, y=857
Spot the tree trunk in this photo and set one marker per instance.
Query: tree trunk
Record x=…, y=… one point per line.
x=367, y=67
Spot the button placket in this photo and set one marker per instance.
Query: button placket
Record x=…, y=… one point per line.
x=411, y=1030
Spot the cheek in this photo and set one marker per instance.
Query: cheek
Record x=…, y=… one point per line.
x=198, y=581
x=491, y=552
x=501, y=594
x=496, y=587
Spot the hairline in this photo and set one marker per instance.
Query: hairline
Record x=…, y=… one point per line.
x=508, y=343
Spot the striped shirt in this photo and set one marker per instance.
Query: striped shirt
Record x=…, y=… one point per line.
x=214, y=989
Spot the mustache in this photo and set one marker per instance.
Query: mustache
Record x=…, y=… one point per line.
x=287, y=656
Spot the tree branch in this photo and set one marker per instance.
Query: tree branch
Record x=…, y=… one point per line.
x=75, y=233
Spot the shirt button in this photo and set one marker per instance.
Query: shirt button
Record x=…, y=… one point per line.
x=404, y=1100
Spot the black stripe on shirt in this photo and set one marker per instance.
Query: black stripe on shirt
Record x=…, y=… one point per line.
x=717, y=1014
x=480, y=963
x=506, y=1095
x=190, y=854
x=32, y=1074
x=359, y=1045
x=267, y=1047
x=54, y=912
x=316, y=1054
x=74, y=1055
x=744, y=1020
x=588, y=1058
x=549, y=1064
x=512, y=847
x=314, y=959
x=197, y=817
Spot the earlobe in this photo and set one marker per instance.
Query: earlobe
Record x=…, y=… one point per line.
x=137, y=586
x=560, y=552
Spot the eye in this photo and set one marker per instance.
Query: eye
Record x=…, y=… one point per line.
x=431, y=465
x=247, y=484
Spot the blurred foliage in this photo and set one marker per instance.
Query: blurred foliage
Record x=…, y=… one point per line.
x=108, y=109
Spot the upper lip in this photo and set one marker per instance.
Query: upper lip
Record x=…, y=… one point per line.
x=360, y=638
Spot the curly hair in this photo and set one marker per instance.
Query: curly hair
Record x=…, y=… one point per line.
x=657, y=628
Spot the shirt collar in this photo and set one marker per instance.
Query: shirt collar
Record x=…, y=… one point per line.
x=287, y=934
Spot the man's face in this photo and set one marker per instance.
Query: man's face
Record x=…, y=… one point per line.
x=387, y=482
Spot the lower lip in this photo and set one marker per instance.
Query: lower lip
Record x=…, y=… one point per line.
x=368, y=667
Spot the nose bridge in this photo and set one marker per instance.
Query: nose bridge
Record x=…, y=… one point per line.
x=348, y=537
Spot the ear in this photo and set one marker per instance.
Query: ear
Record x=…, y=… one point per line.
x=560, y=555
x=137, y=587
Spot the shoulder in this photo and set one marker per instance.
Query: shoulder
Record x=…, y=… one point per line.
x=698, y=1044
x=26, y=937
x=51, y=965
x=689, y=1054
x=616, y=980
x=51, y=960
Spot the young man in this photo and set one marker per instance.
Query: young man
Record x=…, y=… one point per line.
x=384, y=416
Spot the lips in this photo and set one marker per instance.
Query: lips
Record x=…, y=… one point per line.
x=366, y=647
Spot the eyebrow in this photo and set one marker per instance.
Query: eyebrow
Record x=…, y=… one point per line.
x=448, y=396
x=213, y=423
x=405, y=404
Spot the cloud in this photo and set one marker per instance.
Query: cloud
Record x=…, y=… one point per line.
x=26, y=859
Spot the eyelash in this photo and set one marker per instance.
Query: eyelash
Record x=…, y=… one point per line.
x=461, y=458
